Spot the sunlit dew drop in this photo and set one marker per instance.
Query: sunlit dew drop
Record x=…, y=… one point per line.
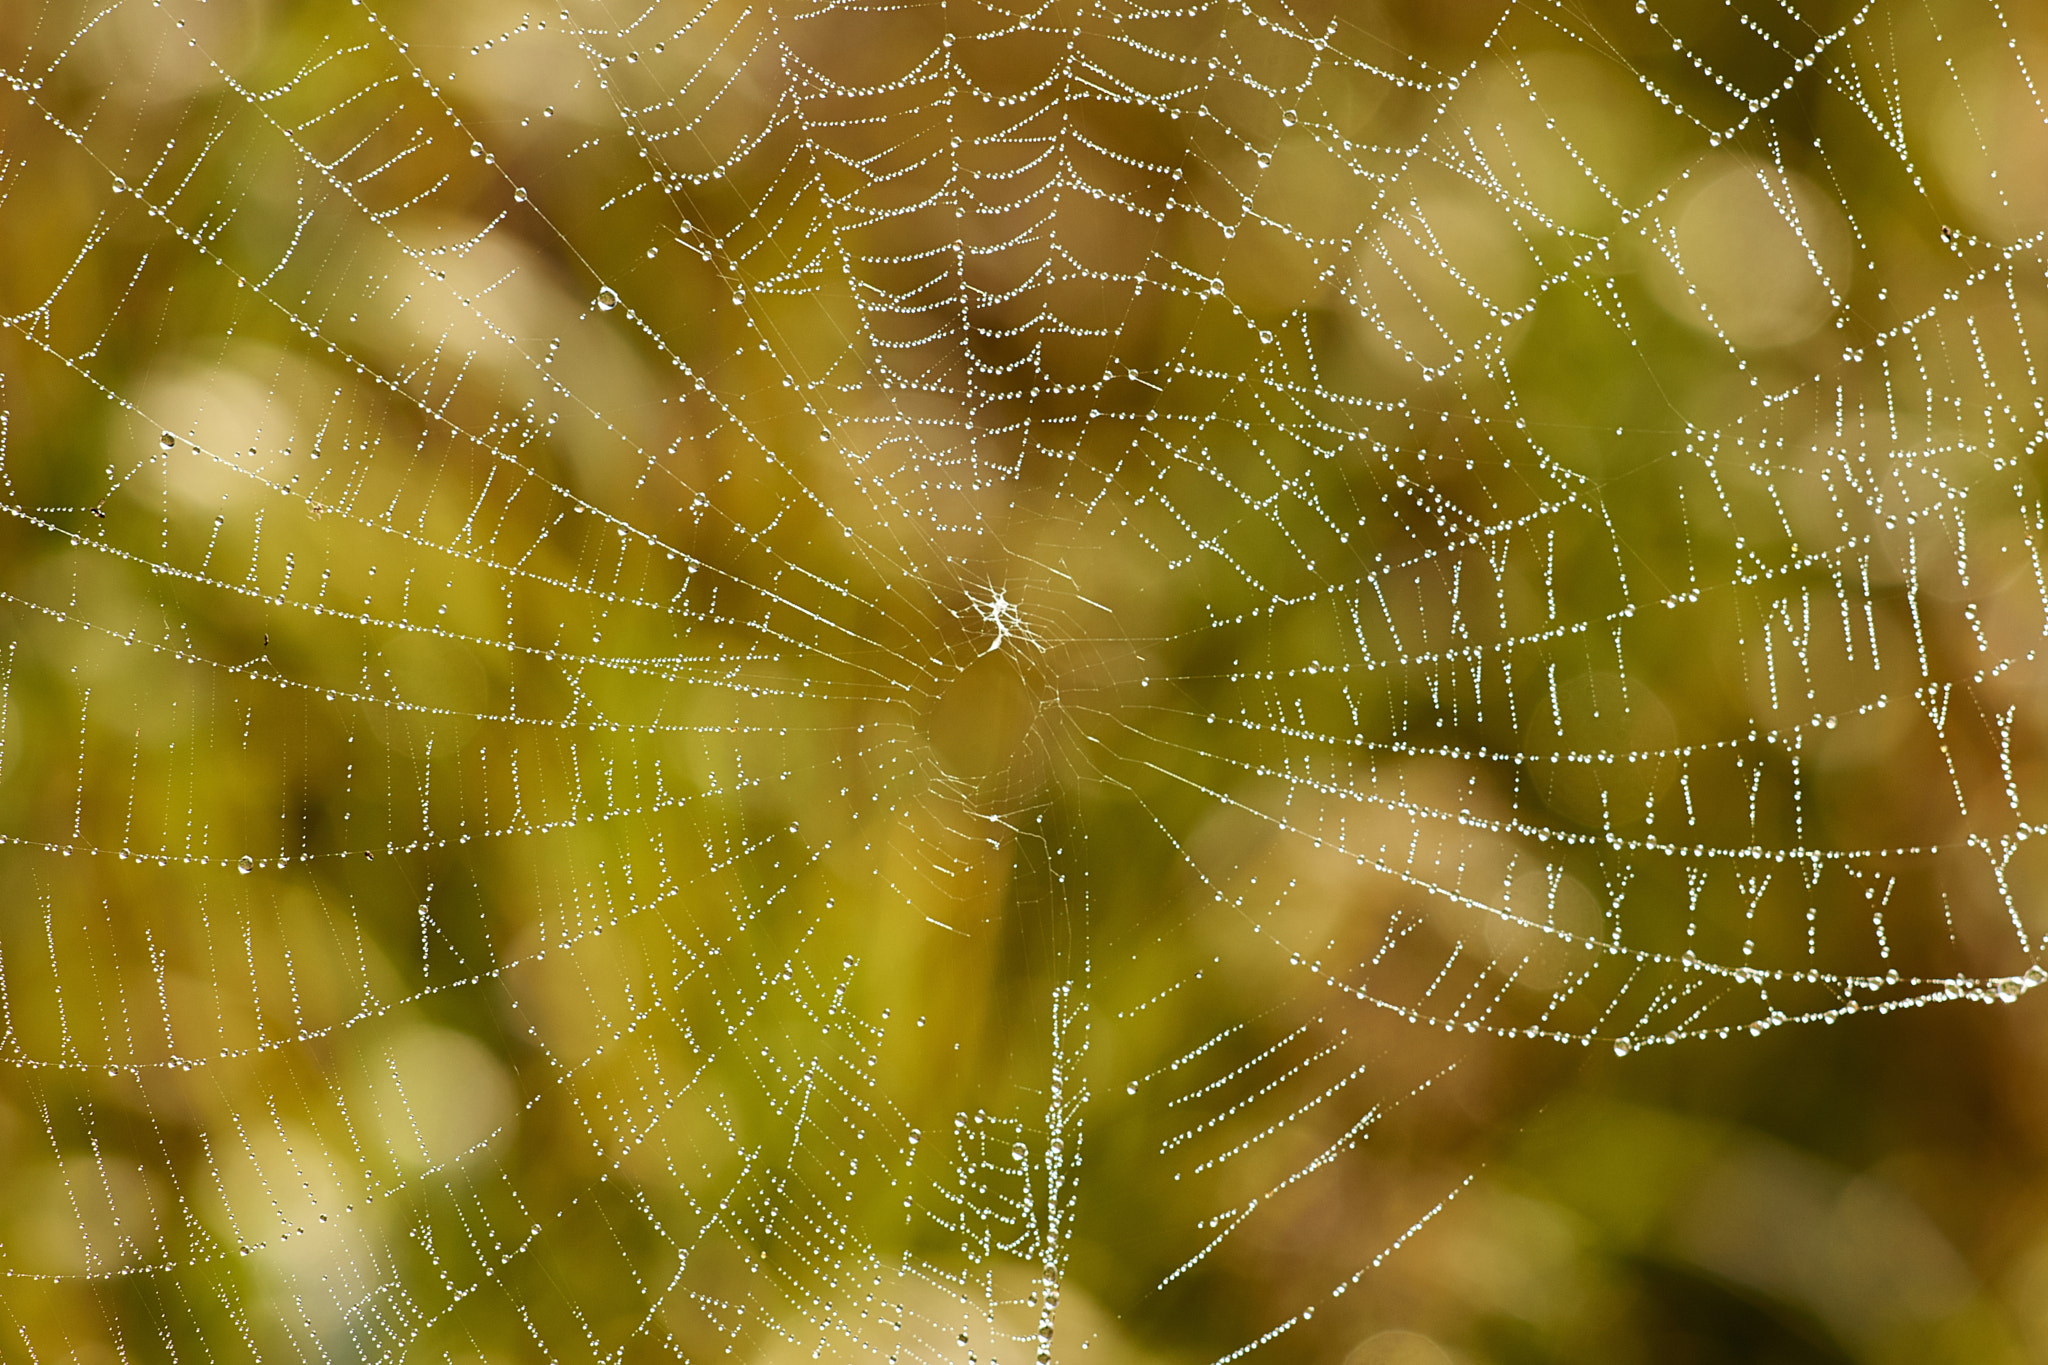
x=167, y=440
x=246, y=865
x=1018, y=1151
x=607, y=299
x=1621, y=1047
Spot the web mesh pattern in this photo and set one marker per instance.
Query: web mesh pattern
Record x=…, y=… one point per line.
x=660, y=661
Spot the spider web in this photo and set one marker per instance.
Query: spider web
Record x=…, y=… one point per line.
x=665, y=666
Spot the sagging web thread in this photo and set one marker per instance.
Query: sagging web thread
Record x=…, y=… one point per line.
x=695, y=546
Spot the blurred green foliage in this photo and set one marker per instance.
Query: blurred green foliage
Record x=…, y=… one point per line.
x=932, y=683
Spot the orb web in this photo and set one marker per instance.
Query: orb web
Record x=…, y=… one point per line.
x=675, y=678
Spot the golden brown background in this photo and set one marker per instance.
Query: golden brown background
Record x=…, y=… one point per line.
x=938, y=683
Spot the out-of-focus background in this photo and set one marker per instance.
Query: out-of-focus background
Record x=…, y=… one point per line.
x=927, y=682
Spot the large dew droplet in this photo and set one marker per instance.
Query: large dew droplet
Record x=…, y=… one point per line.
x=246, y=865
x=606, y=299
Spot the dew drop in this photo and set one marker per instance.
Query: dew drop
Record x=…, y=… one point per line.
x=167, y=440
x=607, y=299
x=246, y=865
x=1018, y=1151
